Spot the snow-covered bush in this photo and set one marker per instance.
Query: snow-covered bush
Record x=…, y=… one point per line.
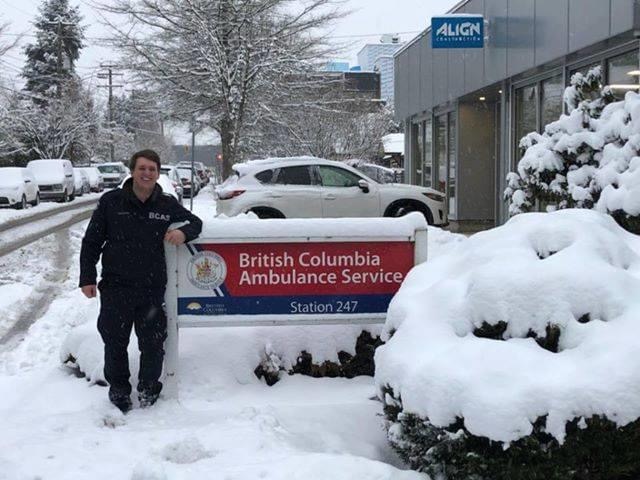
x=586, y=159
x=517, y=355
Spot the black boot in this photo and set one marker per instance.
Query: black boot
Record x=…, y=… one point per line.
x=120, y=400
x=148, y=393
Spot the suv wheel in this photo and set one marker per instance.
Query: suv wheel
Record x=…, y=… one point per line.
x=403, y=208
x=36, y=202
x=22, y=204
x=264, y=212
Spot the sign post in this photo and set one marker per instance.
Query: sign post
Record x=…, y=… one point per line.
x=289, y=279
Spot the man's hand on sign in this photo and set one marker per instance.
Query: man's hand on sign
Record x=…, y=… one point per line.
x=89, y=291
x=175, y=237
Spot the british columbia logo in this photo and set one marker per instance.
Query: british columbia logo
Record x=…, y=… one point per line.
x=206, y=270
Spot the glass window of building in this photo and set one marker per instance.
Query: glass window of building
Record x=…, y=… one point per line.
x=420, y=154
x=623, y=73
x=551, y=92
x=583, y=70
x=416, y=146
x=428, y=151
x=440, y=156
x=526, y=114
x=452, y=165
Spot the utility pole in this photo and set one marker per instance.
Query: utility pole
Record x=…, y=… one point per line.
x=109, y=74
x=59, y=64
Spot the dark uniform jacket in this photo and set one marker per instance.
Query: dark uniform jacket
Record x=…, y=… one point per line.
x=129, y=234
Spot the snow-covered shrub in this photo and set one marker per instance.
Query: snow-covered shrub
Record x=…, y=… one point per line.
x=517, y=355
x=586, y=159
x=348, y=365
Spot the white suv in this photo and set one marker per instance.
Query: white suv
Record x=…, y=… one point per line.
x=313, y=187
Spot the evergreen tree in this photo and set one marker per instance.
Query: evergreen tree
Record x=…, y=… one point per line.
x=51, y=59
x=558, y=166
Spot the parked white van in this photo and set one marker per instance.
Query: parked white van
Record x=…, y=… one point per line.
x=55, y=178
x=113, y=173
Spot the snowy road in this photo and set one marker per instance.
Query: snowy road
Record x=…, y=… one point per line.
x=227, y=424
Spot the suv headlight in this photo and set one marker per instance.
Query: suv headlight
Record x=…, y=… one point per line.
x=434, y=196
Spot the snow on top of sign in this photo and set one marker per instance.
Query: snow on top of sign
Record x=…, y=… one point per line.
x=250, y=226
x=459, y=15
x=575, y=269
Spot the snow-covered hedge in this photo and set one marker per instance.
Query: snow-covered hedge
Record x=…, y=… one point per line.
x=517, y=355
x=586, y=159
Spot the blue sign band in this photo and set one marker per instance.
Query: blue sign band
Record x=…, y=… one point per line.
x=284, y=305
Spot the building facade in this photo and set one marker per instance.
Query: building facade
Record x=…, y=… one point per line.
x=465, y=110
x=378, y=57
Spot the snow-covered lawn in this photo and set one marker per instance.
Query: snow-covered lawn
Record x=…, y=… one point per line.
x=227, y=423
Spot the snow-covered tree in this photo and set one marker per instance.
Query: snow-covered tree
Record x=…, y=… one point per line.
x=65, y=127
x=51, y=59
x=586, y=159
x=220, y=56
x=319, y=115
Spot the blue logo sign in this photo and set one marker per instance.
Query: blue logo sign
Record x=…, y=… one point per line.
x=457, y=31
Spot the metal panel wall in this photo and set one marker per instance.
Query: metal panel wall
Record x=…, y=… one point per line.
x=476, y=161
x=456, y=73
x=588, y=22
x=621, y=20
x=440, y=76
x=426, y=73
x=401, y=96
x=414, y=76
x=551, y=36
x=520, y=36
x=495, y=50
x=473, y=57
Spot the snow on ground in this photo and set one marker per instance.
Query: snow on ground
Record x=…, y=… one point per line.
x=576, y=270
x=7, y=214
x=226, y=425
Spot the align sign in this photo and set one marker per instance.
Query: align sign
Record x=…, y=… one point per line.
x=291, y=278
x=457, y=31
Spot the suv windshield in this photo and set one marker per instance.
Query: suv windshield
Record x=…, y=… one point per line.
x=110, y=169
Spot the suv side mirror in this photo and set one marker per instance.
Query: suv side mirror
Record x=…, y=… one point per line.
x=364, y=185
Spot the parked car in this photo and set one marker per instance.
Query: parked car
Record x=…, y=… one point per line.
x=55, y=178
x=81, y=183
x=113, y=173
x=200, y=170
x=163, y=181
x=18, y=187
x=379, y=173
x=185, y=178
x=96, y=181
x=173, y=176
x=313, y=187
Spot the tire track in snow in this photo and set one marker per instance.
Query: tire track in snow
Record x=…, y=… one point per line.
x=45, y=291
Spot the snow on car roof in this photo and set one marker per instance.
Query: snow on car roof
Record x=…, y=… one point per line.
x=252, y=166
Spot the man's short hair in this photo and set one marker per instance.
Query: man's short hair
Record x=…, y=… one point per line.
x=148, y=154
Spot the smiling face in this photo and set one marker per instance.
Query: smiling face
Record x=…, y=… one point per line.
x=145, y=174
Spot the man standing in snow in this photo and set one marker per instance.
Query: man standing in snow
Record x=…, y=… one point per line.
x=128, y=228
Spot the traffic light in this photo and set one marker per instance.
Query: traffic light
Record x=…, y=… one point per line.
x=219, y=157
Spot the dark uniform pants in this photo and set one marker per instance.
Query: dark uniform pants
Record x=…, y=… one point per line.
x=120, y=310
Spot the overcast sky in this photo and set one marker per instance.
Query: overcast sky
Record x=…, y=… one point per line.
x=369, y=20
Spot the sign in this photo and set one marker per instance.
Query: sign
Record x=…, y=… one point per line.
x=291, y=278
x=457, y=31
x=286, y=276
